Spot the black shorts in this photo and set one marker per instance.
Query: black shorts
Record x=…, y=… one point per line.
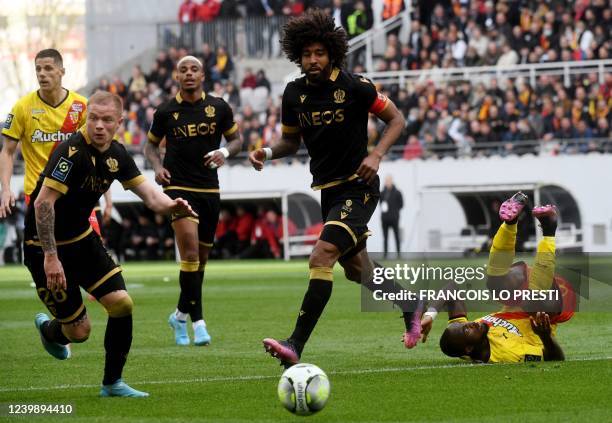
x=207, y=205
x=86, y=264
x=346, y=210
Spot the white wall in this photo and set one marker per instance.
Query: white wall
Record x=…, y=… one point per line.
x=587, y=178
x=119, y=30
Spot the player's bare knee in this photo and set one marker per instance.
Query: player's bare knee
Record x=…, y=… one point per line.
x=323, y=255
x=190, y=255
x=122, y=307
x=77, y=331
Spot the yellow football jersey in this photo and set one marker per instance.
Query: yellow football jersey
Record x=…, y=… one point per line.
x=40, y=127
x=511, y=338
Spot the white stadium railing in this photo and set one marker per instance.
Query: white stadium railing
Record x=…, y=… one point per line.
x=484, y=73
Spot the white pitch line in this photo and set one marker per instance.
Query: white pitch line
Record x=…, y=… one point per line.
x=261, y=377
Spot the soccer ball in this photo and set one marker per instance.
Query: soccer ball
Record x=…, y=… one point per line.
x=303, y=389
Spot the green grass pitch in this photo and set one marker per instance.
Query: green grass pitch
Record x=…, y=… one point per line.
x=373, y=378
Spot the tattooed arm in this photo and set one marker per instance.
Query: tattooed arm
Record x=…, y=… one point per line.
x=45, y=226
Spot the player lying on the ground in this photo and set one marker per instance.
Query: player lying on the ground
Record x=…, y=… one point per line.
x=521, y=331
x=63, y=254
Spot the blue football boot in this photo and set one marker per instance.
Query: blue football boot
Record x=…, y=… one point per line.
x=59, y=351
x=121, y=389
x=180, y=330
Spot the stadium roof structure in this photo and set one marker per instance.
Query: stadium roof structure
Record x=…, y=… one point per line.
x=478, y=200
x=481, y=188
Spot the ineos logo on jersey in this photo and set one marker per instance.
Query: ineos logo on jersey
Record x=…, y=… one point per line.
x=58, y=136
x=194, y=130
x=325, y=117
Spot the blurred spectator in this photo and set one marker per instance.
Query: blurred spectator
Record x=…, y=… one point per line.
x=187, y=16
x=207, y=12
x=256, y=11
x=225, y=245
x=223, y=65
x=137, y=83
x=392, y=8
x=262, y=80
x=391, y=203
x=245, y=223
x=358, y=21
x=249, y=80
x=263, y=243
x=293, y=8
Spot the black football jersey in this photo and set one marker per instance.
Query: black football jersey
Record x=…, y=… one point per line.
x=83, y=174
x=332, y=118
x=192, y=130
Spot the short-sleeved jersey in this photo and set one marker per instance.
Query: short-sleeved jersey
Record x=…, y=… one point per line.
x=192, y=130
x=332, y=118
x=511, y=338
x=82, y=174
x=40, y=127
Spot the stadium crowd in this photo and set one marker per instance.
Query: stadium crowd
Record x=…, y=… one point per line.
x=493, y=116
x=462, y=118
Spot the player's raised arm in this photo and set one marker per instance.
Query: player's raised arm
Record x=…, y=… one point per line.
x=386, y=110
x=160, y=202
x=541, y=326
x=7, y=155
x=45, y=226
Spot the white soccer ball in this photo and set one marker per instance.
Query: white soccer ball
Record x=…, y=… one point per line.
x=303, y=389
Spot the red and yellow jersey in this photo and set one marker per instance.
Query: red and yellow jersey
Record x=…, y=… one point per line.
x=511, y=338
x=40, y=127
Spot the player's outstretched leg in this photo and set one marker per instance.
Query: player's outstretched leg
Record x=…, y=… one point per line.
x=121, y=389
x=512, y=207
x=502, y=251
x=51, y=336
x=543, y=271
x=547, y=216
x=412, y=321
